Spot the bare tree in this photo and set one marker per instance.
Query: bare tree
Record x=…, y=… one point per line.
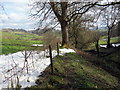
x=110, y=18
x=97, y=38
x=2, y=9
x=63, y=12
x=78, y=27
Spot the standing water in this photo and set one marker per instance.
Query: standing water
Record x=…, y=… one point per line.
x=24, y=67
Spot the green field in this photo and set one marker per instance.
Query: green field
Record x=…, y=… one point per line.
x=103, y=41
x=12, y=42
x=113, y=40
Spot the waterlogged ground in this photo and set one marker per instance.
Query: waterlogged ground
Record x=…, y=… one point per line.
x=14, y=68
x=114, y=45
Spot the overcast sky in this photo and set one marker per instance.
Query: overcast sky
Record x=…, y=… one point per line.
x=17, y=14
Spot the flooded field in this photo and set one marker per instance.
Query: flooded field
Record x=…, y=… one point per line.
x=24, y=67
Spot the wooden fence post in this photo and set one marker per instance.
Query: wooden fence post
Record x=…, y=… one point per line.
x=57, y=48
x=51, y=61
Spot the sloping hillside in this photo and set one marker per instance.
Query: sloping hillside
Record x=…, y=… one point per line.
x=14, y=41
x=74, y=71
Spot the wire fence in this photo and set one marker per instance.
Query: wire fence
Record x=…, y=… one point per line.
x=31, y=64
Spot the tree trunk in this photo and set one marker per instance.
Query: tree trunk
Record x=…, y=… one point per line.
x=64, y=30
x=108, y=40
x=76, y=42
x=61, y=16
x=51, y=61
x=97, y=47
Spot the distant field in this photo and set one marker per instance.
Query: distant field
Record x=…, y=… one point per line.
x=113, y=40
x=103, y=41
x=12, y=42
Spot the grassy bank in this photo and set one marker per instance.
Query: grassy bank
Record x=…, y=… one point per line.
x=16, y=41
x=74, y=71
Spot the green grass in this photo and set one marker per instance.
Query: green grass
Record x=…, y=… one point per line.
x=12, y=42
x=111, y=60
x=73, y=71
x=91, y=46
x=113, y=40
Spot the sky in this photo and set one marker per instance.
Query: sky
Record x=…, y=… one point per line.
x=16, y=15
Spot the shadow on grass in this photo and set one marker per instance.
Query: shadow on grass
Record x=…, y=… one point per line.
x=107, y=60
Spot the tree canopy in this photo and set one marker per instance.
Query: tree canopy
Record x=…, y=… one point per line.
x=63, y=13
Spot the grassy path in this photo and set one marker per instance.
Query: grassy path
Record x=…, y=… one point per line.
x=73, y=71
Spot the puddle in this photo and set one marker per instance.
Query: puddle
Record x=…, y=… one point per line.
x=114, y=45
